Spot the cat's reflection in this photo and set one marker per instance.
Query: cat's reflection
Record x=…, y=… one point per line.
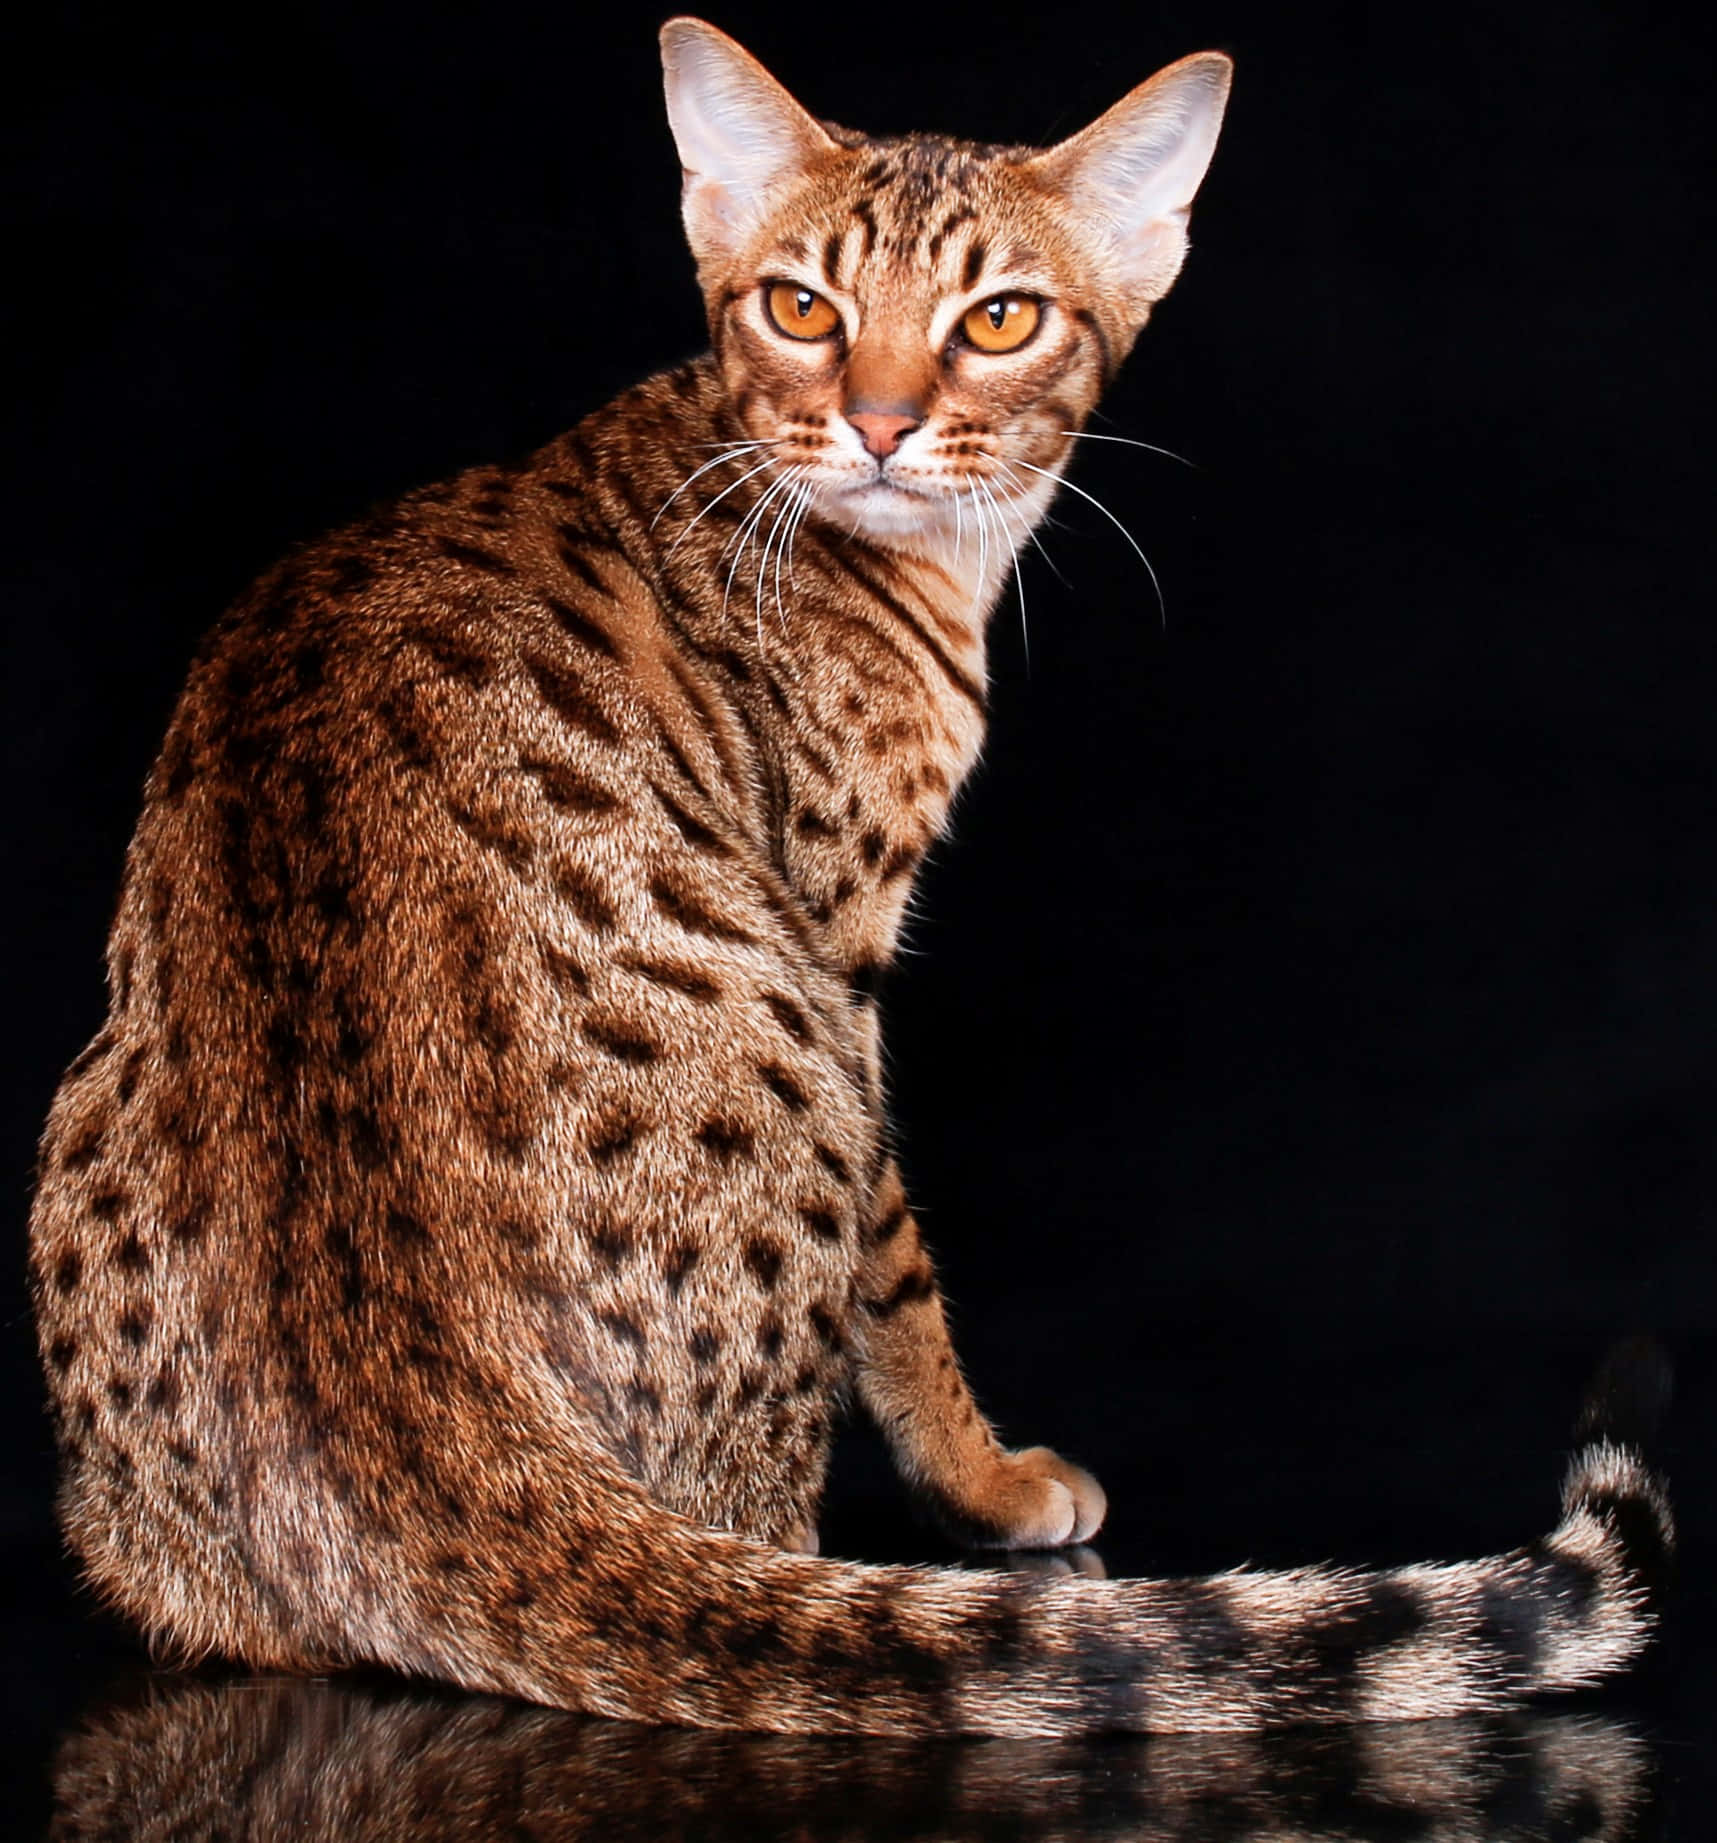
x=193, y=1759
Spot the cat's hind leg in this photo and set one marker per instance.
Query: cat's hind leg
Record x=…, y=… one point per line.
x=910, y=1382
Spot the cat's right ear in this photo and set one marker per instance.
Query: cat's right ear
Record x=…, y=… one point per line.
x=741, y=137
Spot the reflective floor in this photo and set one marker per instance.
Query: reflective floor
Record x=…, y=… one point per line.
x=316, y=1760
x=1447, y=1452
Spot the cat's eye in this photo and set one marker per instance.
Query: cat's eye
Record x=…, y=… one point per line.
x=798, y=312
x=1001, y=325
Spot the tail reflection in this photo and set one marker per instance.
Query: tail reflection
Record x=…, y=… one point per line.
x=252, y=1760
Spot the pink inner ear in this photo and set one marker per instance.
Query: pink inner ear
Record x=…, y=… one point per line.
x=741, y=137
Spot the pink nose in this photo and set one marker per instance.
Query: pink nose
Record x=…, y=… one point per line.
x=881, y=434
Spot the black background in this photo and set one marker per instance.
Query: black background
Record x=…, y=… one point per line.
x=1306, y=1054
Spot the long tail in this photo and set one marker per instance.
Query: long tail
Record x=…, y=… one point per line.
x=615, y=1606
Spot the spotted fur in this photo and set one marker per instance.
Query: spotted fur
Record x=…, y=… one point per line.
x=455, y=1245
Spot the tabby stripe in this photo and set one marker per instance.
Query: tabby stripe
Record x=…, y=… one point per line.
x=950, y=225
x=890, y=1226
x=697, y=696
x=909, y=1289
x=580, y=567
x=1087, y=319
x=692, y=830
x=567, y=698
x=953, y=671
x=578, y=626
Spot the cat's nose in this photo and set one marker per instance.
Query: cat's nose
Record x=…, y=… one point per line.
x=880, y=432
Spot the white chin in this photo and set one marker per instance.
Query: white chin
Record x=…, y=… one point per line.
x=882, y=511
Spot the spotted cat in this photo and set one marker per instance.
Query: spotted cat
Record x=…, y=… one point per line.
x=452, y=1250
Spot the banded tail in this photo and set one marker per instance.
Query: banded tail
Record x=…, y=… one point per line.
x=620, y=1608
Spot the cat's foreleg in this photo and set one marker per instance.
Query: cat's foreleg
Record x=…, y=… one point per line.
x=910, y=1382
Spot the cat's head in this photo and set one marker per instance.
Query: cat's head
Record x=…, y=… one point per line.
x=917, y=321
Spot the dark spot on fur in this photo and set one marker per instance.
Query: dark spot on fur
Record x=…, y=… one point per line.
x=683, y=905
x=677, y=1264
x=563, y=969
x=623, y=1326
x=832, y=1162
x=474, y=557
x=61, y=1351
x=579, y=891
x=785, y=1089
x=827, y=1328
x=618, y=1136
x=569, y=700
x=458, y=656
x=686, y=980
x=68, y=1270
x=623, y=1043
x=578, y=626
x=704, y=1346
x=691, y=829
x=918, y=1283
x=821, y=1222
x=83, y=1148
x=725, y=1139
x=788, y=1016
x=763, y=1258
x=568, y=790
x=131, y=1255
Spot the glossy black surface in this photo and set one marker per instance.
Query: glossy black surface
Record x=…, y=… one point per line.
x=1373, y=1453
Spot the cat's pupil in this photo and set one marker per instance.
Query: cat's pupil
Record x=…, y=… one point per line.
x=998, y=313
x=803, y=302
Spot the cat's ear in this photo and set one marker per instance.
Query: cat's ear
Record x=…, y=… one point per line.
x=741, y=137
x=1132, y=174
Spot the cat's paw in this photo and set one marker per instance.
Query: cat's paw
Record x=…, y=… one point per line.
x=1033, y=1500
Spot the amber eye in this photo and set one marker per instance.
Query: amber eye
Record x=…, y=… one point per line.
x=1001, y=325
x=798, y=312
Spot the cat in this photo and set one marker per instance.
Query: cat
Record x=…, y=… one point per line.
x=451, y=1252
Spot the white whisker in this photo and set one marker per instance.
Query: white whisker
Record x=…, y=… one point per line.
x=735, y=448
x=806, y=495
x=1031, y=525
x=789, y=481
x=1162, y=606
x=1126, y=441
x=1019, y=580
x=751, y=473
x=747, y=530
x=983, y=545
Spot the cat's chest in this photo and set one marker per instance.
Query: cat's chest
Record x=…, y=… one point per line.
x=868, y=725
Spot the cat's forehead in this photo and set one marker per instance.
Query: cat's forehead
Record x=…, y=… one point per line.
x=915, y=213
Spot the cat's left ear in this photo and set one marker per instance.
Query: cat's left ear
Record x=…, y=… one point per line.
x=742, y=138
x=1132, y=174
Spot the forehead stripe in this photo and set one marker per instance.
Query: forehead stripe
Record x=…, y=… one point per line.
x=832, y=257
x=949, y=225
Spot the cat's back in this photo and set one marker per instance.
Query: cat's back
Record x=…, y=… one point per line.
x=446, y=929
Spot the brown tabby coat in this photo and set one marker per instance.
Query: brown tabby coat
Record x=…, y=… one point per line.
x=451, y=1251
